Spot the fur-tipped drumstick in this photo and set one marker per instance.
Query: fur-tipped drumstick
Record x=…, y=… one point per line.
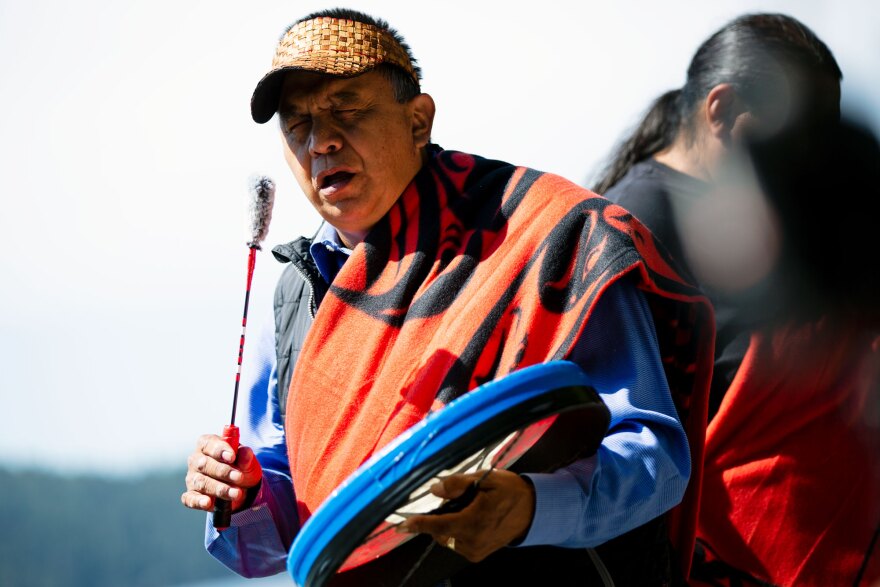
x=262, y=198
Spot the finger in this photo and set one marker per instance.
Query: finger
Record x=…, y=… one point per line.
x=205, y=485
x=454, y=485
x=437, y=526
x=442, y=530
x=216, y=470
x=215, y=447
x=463, y=547
x=197, y=501
x=495, y=478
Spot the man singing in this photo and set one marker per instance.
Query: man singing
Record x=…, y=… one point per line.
x=435, y=271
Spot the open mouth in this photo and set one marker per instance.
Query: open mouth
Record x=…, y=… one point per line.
x=336, y=180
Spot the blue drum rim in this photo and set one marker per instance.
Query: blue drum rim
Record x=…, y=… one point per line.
x=419, y=446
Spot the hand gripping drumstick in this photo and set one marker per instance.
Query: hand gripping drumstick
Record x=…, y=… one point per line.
x=260, y=209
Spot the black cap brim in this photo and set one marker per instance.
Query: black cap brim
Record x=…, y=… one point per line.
x=264, y=102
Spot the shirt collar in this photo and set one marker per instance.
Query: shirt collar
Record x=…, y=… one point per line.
x=328, y=251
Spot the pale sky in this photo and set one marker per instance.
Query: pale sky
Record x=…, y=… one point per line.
x=126, y=143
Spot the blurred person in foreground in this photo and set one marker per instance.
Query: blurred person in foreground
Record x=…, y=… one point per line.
x=750, y=179
x=436, y=271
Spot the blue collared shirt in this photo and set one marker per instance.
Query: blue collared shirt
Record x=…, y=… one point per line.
x=639, y=472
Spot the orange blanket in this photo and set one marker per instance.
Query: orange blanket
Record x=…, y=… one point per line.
x=479, y=269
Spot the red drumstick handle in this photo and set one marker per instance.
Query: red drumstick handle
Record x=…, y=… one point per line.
x=223, y=507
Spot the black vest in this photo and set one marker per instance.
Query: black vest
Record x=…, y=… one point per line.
x=299, y=291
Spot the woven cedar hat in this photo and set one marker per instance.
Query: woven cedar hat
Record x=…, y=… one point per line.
x=334, y=46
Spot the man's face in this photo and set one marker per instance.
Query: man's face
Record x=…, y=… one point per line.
x=351, y=145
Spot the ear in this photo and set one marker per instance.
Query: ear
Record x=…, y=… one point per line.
x=723, y=111
x=422, y=119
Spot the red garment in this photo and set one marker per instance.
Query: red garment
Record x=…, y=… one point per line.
x=791, y=493
x=479, y=269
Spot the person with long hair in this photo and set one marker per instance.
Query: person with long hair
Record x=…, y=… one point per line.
x=734, y=173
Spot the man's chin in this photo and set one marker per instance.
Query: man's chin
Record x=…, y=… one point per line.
x=350, y=227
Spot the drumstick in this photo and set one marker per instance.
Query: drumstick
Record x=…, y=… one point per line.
x=260, y=211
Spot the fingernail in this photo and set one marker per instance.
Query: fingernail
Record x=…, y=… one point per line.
x=228, y=456
x=234, y=493
x=402, y=528
x=204, y=501
x=235, y=475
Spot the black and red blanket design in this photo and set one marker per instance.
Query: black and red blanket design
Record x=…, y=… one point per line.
x=479, y=269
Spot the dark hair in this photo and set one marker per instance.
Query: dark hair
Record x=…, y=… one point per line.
x=748, y=53
x=405, y=87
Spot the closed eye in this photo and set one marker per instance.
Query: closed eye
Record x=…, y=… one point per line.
x=298, y=123
x=346, y=113
x=292, y=123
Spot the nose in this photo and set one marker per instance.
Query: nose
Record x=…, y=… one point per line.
x=324, y=138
